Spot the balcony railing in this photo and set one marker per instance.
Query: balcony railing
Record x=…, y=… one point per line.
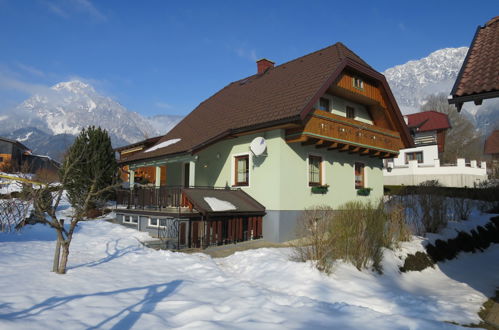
x=163, y=198
x=325, y=129
x=151, y=197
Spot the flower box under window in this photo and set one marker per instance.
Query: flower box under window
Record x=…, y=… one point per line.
x=364, y=191
x=320, y=189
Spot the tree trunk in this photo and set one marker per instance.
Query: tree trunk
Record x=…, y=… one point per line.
x=64, y=257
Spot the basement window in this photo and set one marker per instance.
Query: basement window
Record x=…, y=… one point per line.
x=358, y=83
x=314, y=170
x=130, y=219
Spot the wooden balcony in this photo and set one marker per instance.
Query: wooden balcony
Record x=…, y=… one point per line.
x=327, y=130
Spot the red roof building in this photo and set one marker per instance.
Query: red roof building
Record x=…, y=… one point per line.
x=428, y=127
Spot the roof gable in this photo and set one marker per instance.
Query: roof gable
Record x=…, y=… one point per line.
x=428, y=121
x=285, y=93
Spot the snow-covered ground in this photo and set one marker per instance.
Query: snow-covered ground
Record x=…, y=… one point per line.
x=113, y=282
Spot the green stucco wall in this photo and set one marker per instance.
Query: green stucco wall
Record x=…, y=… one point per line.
x=279, y=180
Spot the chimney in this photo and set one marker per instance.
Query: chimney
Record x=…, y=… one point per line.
x=263, y=64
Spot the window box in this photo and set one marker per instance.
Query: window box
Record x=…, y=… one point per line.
x=364, y=191
x=320, y=189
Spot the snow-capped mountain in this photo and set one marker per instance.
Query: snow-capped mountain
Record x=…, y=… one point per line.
x=67, y=107
x=414, y=81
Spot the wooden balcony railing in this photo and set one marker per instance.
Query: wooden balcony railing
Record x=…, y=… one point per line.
x=327, y=130
x=151, y=197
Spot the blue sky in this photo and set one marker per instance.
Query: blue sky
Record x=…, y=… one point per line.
x=165, y=57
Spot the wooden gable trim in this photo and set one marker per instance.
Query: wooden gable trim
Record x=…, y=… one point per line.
x=394, y=115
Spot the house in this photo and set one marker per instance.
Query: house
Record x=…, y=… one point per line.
x=143, y=174
x=478, y=78
x=491, y=148
x=12, y=154
x=249, y=159
x=416, y=165
x=428, y=129
x=15, y=156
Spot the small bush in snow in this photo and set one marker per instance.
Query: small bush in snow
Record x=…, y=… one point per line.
x=433, y=207
x=356, y=233
x=313, y=226
x=462, y=208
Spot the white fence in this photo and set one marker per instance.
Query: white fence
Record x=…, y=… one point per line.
x=459, y=175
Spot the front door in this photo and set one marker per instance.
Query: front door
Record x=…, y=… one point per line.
x=186, y=174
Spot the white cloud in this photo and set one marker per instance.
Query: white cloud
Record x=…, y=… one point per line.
x=249, y=54
x=31, y=70
x=68, y=8
x=162, y=105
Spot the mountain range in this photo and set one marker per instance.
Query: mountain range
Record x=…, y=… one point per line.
x=48, y=121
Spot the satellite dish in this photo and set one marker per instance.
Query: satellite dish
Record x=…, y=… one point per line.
x=258, y=146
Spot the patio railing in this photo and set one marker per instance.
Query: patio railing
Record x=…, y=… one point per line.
x=151, y=197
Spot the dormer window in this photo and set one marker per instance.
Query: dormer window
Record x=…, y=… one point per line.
x=358, y=83
x=324, y=104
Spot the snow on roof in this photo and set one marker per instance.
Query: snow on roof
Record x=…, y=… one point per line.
x=219, y=205
x=163, y=144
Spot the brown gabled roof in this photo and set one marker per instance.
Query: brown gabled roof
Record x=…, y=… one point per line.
x=478, y=78
x=283, y=94
x=428, y=121
x=492, y=143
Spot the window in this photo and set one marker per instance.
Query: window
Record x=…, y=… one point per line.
x=414, y=156
x=314, y=170
x=358, y=83
x=324, y=104
x=130, y=219
x=241, y=174
x=350, y=112
x=359, y=175
x=1, y=159
x=156, y=222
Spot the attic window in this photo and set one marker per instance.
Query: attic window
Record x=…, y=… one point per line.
x=324, y=104
x=358, y=83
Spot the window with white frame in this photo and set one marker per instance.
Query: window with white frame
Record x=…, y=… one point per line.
x=157, y=223
x=130, y=219
x=358, y=83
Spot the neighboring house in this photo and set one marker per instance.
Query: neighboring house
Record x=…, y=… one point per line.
x=12, y=154
x=492, y=148
x=15, y=156
x=478, y=78
x=249, y=159
x=143, y=174
x=422, y=163
x=428, y=129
